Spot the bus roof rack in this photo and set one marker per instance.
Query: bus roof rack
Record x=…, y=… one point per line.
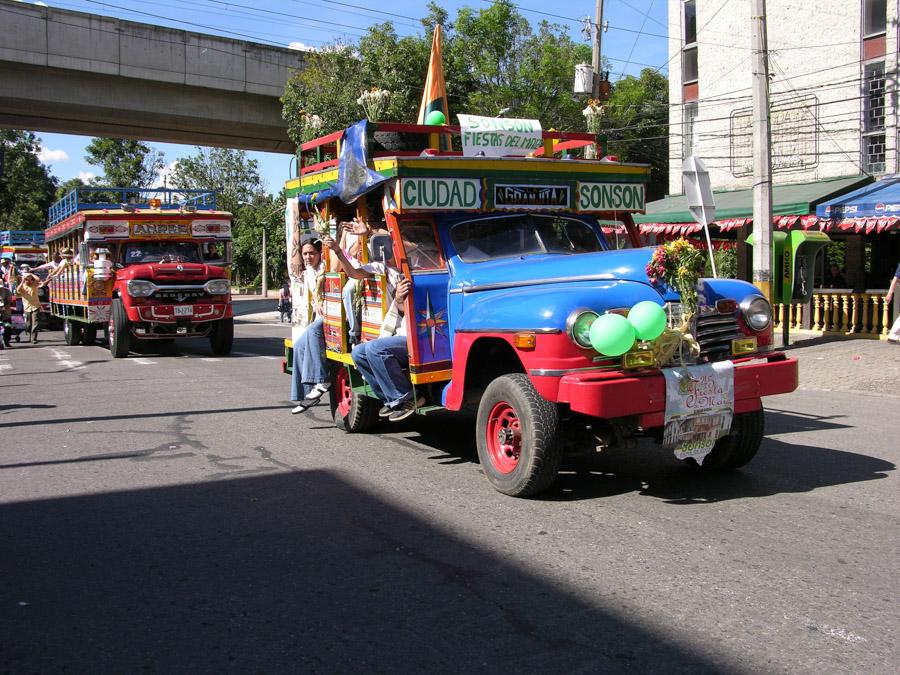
x=87, y=198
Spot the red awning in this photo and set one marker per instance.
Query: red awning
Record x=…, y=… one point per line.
x=793, y=222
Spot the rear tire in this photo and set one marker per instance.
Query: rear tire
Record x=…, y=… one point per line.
x=222, y=337
x=119, y=332
x=739, y=446
x=72, y=332
x=519, y=436
x=354, y=413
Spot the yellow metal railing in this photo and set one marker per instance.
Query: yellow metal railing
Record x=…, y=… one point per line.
x=864, y=314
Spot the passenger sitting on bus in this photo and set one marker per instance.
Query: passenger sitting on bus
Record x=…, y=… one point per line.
x=381, y=361
x=66, y=260
x=351, y=236
x=212, y=254
x=309, y=374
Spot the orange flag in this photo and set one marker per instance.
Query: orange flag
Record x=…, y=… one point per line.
x=435, y=95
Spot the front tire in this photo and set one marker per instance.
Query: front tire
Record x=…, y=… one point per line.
x=119, y=332
x=353, y=412
x=519, y=436
x=740, y=445
x=222, y=337
x=72, y=332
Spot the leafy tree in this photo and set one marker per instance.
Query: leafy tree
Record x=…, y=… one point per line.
x=26, y=186
x=266, y=213
x=492, y=60
x=229, y=171
x=637, y=124
x=125, y=163
x=69, y=185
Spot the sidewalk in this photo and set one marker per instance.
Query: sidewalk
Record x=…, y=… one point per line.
x=843, y=364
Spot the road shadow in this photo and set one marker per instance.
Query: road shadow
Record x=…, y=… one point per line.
x=21, y=406
x=244, y=347
x=290, y=572
x=649, y=469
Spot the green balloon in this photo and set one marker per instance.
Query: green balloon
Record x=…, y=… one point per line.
x=435, y=118
x=649, y=320
x=612, y=334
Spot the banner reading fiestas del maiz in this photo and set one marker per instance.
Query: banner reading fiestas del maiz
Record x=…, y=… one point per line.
x=610, y=196
x=498, y=137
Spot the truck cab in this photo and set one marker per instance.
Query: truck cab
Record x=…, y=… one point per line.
x=512, y=260
x=152, y=266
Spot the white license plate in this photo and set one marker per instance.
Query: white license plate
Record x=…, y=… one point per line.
x=184, y=310
x=697, y=428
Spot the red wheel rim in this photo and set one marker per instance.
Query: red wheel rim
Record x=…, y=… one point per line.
x=344, y=392
x=504, y=437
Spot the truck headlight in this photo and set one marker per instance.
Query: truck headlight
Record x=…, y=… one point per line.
x=757, y=312
x=138, y=288
x=217, y=286
x=578, y=326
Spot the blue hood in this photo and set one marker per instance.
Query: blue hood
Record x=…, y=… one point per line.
x=541, y=291
x=626, y=265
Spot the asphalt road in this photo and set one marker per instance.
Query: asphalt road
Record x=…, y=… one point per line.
x=165, y=513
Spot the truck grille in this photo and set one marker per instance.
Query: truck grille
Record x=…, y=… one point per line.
x=714, y=331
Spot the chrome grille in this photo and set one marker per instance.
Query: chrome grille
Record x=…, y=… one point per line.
x=714, y=333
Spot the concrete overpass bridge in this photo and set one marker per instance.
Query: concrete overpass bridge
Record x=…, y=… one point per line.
x=78, y=73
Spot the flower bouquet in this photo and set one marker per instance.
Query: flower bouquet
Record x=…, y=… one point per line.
x=679, y=264
x=593, y=115
x=374, y=102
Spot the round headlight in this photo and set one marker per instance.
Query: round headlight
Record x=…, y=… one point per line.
x=217, y=286
x=757, y=312
x=139, y=288
x=578, y=326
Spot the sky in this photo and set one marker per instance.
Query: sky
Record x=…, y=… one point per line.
x=635, y=39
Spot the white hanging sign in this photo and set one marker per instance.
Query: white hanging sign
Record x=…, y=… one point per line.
x=699, y=407
x=498, y=136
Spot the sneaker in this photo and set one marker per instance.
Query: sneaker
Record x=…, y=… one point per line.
x=317, y=391
x=385, y=411
x=406, y=409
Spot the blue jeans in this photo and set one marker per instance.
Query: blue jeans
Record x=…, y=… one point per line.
x=309, y=367
x=380, y=362
x=353, y=319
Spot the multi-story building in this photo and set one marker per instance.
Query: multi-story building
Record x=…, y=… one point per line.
x=834, y=126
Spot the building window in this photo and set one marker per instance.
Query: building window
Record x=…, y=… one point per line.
x=873, y=118
x=689, y=53
x=690, y=120
x=874, y=17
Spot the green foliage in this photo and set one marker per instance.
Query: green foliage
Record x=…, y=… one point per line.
x=637, y=124
x=125, y=163
x=229, y=171
x=493, y=59
x=69, y=185
x=726, y=263
x=26, y=186
x=266, y=213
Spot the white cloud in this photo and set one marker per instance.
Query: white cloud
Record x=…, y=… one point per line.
x=48, y=156
x=301, y=47
x=41, y=4
x=86, y=176
x=164, y=177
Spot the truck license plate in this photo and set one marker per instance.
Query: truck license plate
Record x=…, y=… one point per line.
x=184, y=310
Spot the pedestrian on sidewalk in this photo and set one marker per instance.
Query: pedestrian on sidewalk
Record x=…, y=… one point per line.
x=894, y=334
x=28, y=291
x=5, y=316
x=284, y=303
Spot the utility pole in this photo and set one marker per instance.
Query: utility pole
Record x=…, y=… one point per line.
x=762, y=153
x=265, y=266
x=595, y=52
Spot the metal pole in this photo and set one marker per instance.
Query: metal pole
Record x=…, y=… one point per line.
x=265, y=267
x=762, y=154
x=595, y=52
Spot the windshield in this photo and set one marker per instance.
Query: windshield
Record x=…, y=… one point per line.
x=520, y=235
x=161, y=251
